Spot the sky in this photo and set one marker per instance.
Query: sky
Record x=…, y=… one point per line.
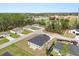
x=38, y=7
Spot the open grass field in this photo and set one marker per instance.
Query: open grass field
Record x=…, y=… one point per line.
x=3, y=40
x=13, y=35
x=26, y=31
x=15, y=51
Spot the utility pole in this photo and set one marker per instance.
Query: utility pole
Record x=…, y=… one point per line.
x=77, y=20
x=78, y=14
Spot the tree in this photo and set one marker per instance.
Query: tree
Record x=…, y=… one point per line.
x=13, y=20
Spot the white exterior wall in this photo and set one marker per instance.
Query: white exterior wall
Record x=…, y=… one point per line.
x=12, y=31
x=34, y=46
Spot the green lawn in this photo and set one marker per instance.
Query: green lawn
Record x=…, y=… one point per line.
x=54, y=53
x=15, y=51
x=65, y=50
x=35, y=28
x=3, y=40
x=26, y=31
x=13, y=35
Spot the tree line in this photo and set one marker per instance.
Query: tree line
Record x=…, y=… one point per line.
x=55, y=25
x=12, y=20
x=9, y=21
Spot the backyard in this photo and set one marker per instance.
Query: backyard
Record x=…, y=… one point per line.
x=65, y=50
x=26, y=31
x=3, y=40
x=13, y=35
x=34, y=28
x=54, y=53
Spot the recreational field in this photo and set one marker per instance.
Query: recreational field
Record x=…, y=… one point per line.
x=13, y=35
x=25, y=31
x=3, y=40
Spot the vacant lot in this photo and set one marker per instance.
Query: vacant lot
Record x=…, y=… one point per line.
x=13, y=35
x=3, y=40
x=35, y=28
x=26, y=31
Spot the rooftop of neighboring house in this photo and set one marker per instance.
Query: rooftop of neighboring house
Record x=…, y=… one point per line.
x=4, y=33
x=6, y=54
x=73, y=49
x=17, y=29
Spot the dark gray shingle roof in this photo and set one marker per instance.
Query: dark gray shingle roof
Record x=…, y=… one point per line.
x=40, y=39
x=6, y=54
x=73, y=49
x=58, y=46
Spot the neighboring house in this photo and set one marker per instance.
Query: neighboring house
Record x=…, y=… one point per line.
x=38, y=26
x=6, y=54
x=27, y=26
x=4, y=34
x=73, y=49
x=38, y=41
x=16, y=30
x=40, y=18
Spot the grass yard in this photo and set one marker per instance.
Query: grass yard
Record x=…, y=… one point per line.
x=13, y=35
x=35, y=28
x=64, y=50
x=23, y=44
x=3, y=40
x=54, y=53
x=26, y=31
x=15, y=51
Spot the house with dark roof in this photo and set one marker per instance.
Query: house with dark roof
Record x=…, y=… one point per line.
x=73, y=49
x=6, y=54
x=38, y=41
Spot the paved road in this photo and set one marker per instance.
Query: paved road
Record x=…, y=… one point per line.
x=60, y=36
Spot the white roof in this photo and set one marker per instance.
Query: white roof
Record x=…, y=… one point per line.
x=17, y=29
